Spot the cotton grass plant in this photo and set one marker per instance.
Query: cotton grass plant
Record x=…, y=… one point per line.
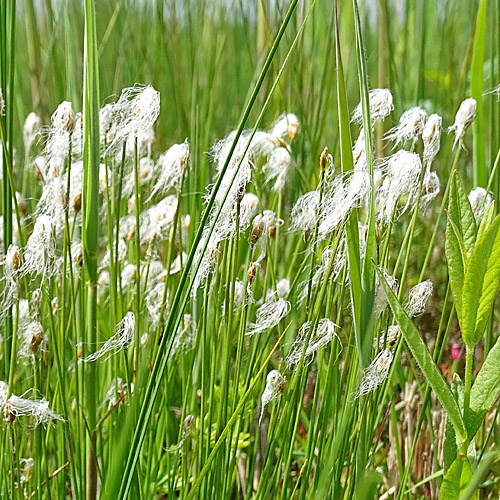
x=244, y=284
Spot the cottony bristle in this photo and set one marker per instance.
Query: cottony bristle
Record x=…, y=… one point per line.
x=269, y=315
x=464, y=117
x=479, y=199
x=380, y=106
x=431, y=137
x=410, y=127
x=402, y=174
x=322, y=335
x=119, y=341
x=417, y=298
x=31, y=129
x=275, y=385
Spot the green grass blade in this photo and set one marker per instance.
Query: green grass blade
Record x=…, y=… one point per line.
x=347, y=165
x=90, y=224
x=368, y=272
x=476, y=88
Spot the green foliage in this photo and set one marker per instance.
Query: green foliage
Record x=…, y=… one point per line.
x=456, y=480
x=481, y=283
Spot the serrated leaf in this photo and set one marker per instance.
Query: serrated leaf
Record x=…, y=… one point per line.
x=481, y=282
x=424, y=359
x=456, y=480
x=450, y=448
x=456, y=257
x=488, y=216
x=484, y=390
x=461, y=214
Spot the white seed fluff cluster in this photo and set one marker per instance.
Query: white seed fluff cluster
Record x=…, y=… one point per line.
x=417, y=298
x=402, y=173
x=410, y=127
x=269, y=315
x=464, y=117
x=375, y=374
x=305, y=211
x=380, y=106
x=15, y=406
x=275, y=385
x=319, y=338
x=40, y=251
x=479, y=200
x=431, y=137
x=171, y=168
x=119, y=341
x=133, y=115
x=345, y=192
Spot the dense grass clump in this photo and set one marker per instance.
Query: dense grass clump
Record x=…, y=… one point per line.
x=269, y=269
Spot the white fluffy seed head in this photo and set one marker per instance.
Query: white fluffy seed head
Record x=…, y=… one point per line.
x=2, y=103
x=124, y=334
x=375, y=374
x=431, y=137
x=40, y=250
x=134, y=114
x=305, y=212
x=248, y=209
x=269, y=315
x=319, y=338
x=402, y=175
x=430, y=189
x=479, y=199
x=31, y=128
x=287, y=125
x=275, y=386
x=17, y=406
x=170, y=168
x=346, y=192
x=33, y=339
x=464, y=117
x=59, y=133
x=380, y=106
x=276, y=168
x=380, y=295
x=410, y=127
x=417, y=298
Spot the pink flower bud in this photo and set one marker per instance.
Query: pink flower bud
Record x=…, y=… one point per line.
x=455, y=351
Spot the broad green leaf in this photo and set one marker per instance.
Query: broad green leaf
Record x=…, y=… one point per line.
x=484, y=390
x=456, y=256
x=481, y=282
x=425, y=361
x=450, y=449
x=461, y=214
x=487, y=219
x=456, y=480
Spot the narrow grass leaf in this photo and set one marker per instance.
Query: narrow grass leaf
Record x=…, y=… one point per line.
x=368, y=272
x=476, y=87
x=352, y=231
